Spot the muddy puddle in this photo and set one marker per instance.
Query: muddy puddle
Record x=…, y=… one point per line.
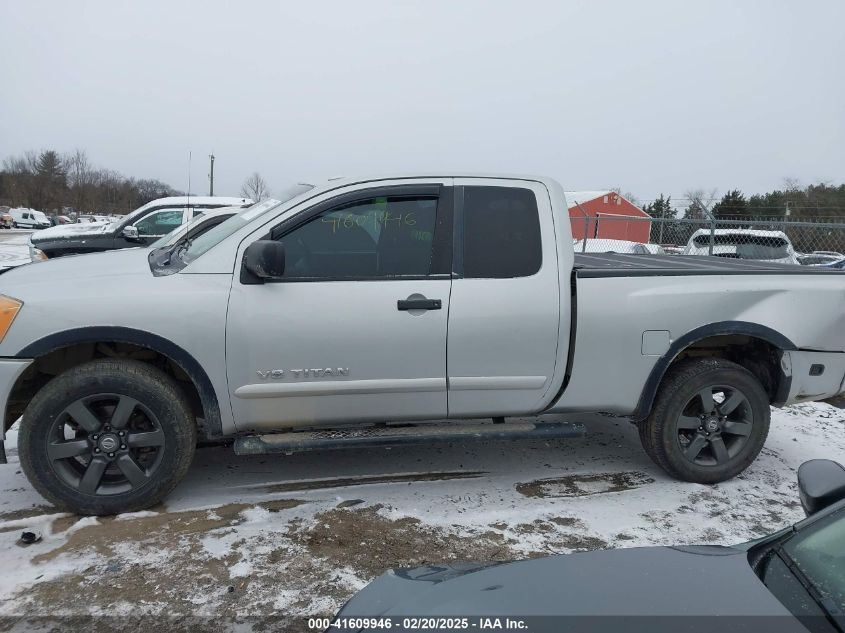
x=584, y=485
x=345, y=482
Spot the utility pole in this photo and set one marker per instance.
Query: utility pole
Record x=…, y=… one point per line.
x=662, y=222
x=211, y=176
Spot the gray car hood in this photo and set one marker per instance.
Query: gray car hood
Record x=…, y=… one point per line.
x=655, y=581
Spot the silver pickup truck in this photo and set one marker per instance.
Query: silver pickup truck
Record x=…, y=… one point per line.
x=351, y=313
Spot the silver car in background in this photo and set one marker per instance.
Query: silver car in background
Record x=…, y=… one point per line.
x=769, y=246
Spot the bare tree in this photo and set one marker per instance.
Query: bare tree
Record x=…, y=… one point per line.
x=792, y=185
x=46, y=180
x=255, y=187
x=80, y=178
x=19, y=174
x=700, y=203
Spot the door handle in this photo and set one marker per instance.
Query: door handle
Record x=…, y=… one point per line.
x=419, y=304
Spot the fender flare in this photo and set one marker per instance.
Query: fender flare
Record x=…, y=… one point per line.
x=115, y=334
x=721, y=328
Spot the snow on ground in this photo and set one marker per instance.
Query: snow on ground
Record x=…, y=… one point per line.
x=297, y=535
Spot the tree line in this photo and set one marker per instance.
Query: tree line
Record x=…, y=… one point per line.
x=814, y=202
x=789, y=209
x=50, y=181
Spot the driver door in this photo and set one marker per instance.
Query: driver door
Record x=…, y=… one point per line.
x=355, y=330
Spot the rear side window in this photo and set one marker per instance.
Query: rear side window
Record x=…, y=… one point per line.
x=501, y=233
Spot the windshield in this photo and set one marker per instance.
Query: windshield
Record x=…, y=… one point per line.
x=820, y=555
x=220, y=232
x=180, y=231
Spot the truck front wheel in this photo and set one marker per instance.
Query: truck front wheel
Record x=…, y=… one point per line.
x=108, y=436
x=709, y=422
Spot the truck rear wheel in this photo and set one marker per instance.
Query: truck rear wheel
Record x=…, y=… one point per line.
x=709, y=421
x=108, y=436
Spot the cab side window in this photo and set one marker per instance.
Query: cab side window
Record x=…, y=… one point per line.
x=159, y=223
x=380, y=237
x=501, y=233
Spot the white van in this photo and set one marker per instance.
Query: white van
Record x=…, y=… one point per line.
x=29, y=219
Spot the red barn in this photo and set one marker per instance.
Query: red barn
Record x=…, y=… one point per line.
x=606, y=214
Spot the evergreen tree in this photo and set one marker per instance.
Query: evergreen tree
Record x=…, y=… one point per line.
x=50, y=166
x=660, y=207
x=50, y=180
x=732, y=204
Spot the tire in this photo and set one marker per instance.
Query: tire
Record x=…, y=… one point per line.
x=721, y=444
x=107, y=436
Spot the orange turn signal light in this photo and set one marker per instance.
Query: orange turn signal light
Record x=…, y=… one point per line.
x=9, y=309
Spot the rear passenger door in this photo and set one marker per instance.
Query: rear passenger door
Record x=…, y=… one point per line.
x=505, y=305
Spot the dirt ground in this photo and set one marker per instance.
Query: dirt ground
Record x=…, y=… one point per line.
x=273, y=541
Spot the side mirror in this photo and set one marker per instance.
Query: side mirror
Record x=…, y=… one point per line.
x=264, y=259
x=821, y=483
x=131, y=233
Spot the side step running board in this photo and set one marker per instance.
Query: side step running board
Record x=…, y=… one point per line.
x=376, y=436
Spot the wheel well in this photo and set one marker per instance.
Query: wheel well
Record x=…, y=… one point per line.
x=759, y=357
x=45, y=367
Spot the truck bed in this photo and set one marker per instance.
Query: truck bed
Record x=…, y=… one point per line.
x=593, y=265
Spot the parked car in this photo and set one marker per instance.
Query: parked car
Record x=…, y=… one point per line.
x=88, y=219
x=837, y=265
x=308, y=323
x=770, y=246
x=819, y=258
x=198, y=225
x=784, y=581
x=29, y=218
x=601, y=245
x=16, y=251
x=163, y=249
x=141, y=227
x=836, y=254
x=6, y=220
x=655, y=249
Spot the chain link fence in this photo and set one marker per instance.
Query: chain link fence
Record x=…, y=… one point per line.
x=812, y=241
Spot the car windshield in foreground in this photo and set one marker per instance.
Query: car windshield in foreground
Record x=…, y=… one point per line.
x=216, y=235
x=164, y=240
x=184, y=229
x=820, y=556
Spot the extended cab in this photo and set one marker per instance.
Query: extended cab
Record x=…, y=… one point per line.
x=143, y=226
x=312, y=322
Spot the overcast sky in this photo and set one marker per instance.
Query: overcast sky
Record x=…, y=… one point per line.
x=648, y=96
